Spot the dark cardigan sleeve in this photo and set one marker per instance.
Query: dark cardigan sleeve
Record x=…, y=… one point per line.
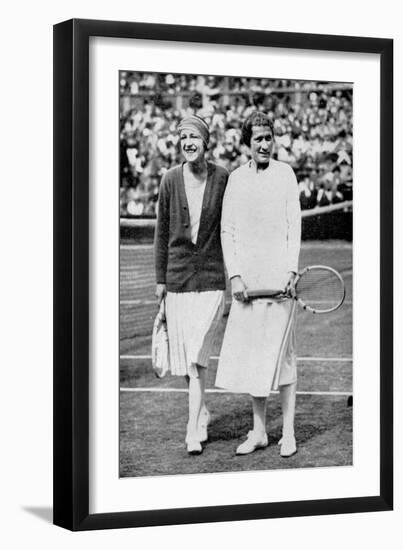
x=162, y=233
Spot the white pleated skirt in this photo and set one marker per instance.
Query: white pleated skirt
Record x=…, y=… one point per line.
x=192, y=321
x=258, y=351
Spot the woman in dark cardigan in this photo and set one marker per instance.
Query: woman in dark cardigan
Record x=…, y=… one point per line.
x=189, y=266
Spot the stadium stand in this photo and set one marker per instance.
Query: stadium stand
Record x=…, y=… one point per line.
x=313, y=127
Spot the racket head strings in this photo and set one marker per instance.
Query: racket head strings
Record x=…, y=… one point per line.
x=320, y=289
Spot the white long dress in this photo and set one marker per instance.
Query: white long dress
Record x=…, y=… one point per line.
x=261, y=234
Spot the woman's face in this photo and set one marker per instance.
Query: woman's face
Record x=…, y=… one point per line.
x=261, y=144
x=192, y=145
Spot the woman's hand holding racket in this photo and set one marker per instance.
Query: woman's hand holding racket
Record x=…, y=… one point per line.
x=238, y=289
x=290, y=287
x=160, y=292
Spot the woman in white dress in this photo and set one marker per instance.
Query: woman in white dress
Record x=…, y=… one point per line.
x=261, y=233
x=190, y=267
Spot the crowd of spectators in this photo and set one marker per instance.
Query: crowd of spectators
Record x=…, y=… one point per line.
x=312, y=123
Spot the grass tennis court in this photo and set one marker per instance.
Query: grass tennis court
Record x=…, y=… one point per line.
x=153, y=412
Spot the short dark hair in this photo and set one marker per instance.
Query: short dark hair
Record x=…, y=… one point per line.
x=256, y=118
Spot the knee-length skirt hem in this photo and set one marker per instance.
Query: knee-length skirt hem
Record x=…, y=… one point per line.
x=258, y=352
x=192, y=321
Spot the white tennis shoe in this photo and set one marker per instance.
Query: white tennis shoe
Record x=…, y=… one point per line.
x=194, y=447
x=288, y=446
x=254, y=441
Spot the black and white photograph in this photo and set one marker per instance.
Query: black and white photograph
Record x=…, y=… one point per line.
x=201, y=275
x=236, y=270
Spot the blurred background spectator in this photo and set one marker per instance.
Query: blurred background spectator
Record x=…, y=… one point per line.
x=312, y=122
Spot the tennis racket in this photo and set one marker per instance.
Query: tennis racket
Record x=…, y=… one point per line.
x=318, y=289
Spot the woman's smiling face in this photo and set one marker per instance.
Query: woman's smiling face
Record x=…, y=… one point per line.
x=192, y=145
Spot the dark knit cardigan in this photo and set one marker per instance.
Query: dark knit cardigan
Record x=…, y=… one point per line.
x=180, y=264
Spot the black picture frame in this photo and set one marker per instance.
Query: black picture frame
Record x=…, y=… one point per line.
x=71, y=273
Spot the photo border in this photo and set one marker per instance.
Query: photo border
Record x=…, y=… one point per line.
x=72, y=285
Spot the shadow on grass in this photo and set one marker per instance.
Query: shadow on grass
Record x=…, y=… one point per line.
x=152, y=435
x=234, y=426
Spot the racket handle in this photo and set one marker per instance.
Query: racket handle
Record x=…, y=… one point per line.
x=266, y=293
